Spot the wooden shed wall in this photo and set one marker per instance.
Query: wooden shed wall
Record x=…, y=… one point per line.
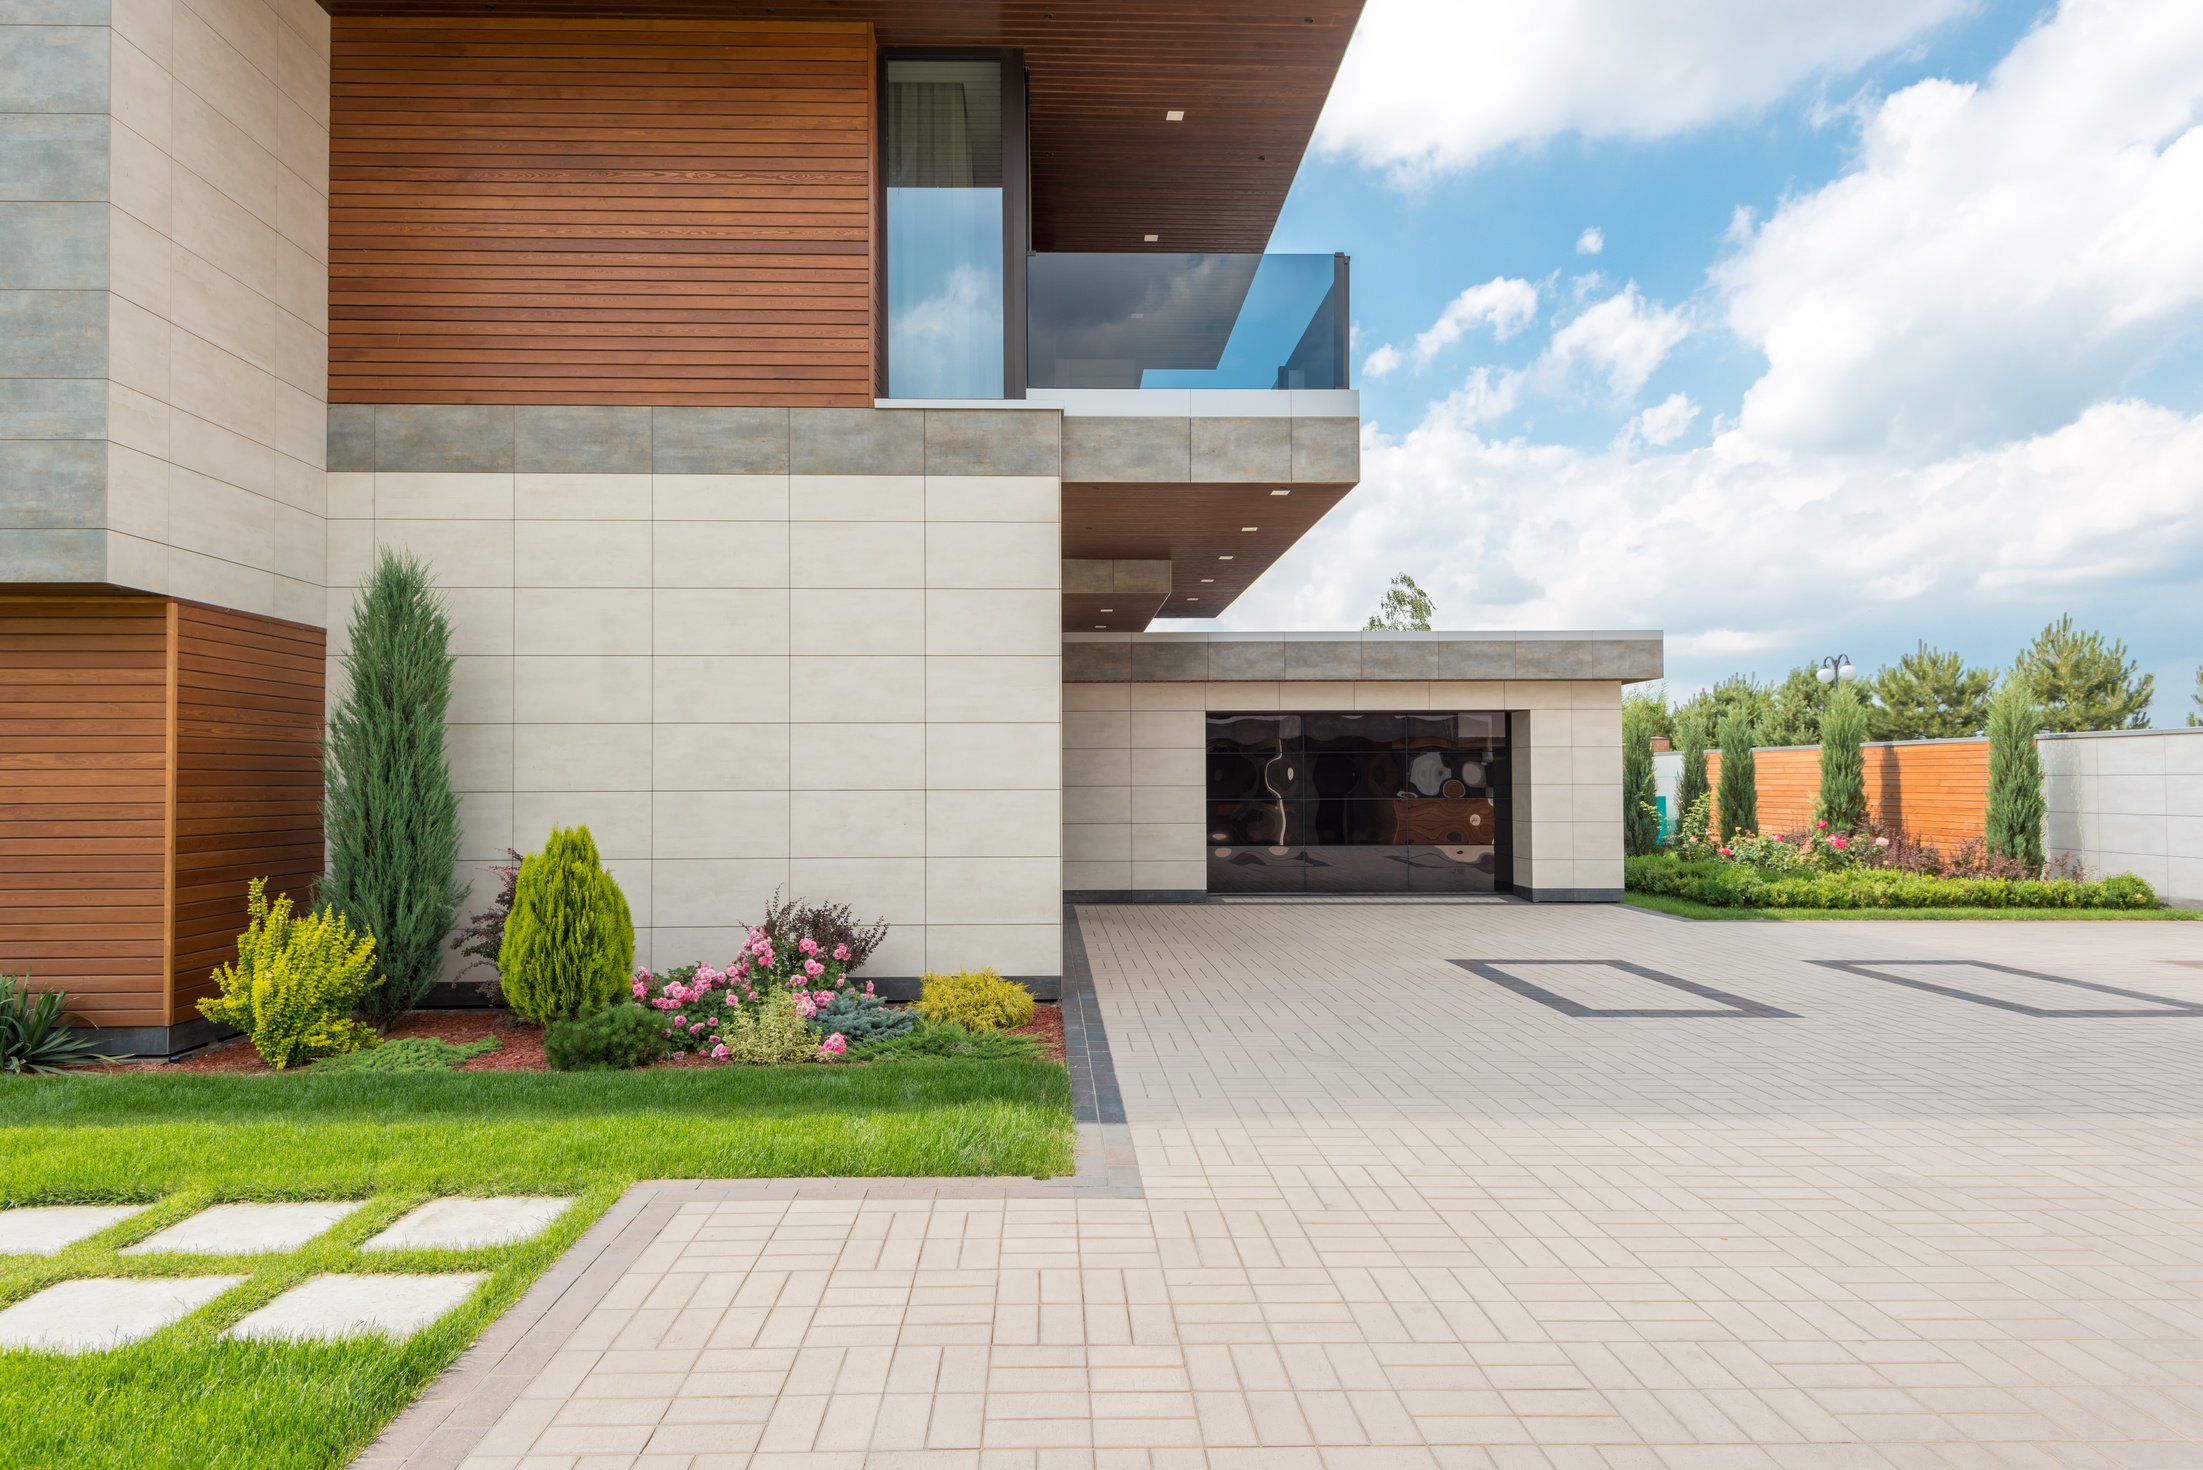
x=1935, y=790
x=84, y=789
x=598, y=210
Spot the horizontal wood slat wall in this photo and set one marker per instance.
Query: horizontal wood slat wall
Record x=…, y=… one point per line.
x=155, y=757
x=83, y=802
x=601, y=211
x=1936, y=792
x=248, y=780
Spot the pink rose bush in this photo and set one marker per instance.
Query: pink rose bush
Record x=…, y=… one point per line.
x=698, y=1005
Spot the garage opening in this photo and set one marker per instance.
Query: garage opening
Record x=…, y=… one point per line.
x=1358, y=803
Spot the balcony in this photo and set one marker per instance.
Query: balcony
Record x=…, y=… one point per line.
x=1186, y=321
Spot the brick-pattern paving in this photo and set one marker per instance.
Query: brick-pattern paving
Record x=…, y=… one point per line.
x=1392, y=1214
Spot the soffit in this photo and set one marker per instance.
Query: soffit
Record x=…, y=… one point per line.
x=1194, y=528
x=1108, y=170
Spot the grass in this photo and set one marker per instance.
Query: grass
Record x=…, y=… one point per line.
x=186, y=1399
x=1684, y=908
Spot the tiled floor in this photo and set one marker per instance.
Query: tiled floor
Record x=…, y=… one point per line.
x=1392, y=1213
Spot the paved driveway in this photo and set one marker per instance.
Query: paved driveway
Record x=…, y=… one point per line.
x=1474, y=1185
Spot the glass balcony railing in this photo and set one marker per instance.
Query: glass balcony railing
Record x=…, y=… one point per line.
x=1186, y=321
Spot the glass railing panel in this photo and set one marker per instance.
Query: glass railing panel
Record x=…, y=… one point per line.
x=1187, y=321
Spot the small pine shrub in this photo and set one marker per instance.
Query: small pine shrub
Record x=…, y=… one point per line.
x=770, y=1035
x=295, y=983
x=407, y=1054
x=569, y=940
x=612, y=1039
x=861, y=1019
x=977, y=1000
x=950, y=1040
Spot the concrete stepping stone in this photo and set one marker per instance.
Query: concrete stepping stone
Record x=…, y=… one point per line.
x=328, y=1308
x=243, y=1230
x=45, y=1230
x=105, y=1312
x=462, y=1224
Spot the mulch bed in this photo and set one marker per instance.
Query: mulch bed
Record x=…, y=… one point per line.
x=519, y=1044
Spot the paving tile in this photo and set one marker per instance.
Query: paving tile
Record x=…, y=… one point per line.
x=240, y=1230
x=90, y=1315
x=460, y=1224
x=327, y=1308
x=45, y=1230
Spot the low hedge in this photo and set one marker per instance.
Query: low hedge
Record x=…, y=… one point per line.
x=1734, y=886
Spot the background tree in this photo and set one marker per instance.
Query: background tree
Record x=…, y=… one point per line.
x=388, y=812
x=1930, y=695
x=1794, y=710
x=1649, y=706
x=1842, y=803
x=1739, y=795
x=2079, y=682
x=1711, y=707
x=1405, y=608
x=1640, y=794
x=2195, y=718
x=2013, y=823
x=1690, y=739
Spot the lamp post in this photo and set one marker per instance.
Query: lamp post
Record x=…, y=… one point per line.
x=1837, y=667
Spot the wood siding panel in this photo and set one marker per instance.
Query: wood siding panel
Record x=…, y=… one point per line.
x=1935, y=791
x=595, y=210
x=83, y=801
x=248, y=780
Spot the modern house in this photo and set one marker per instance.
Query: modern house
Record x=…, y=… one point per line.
x=806, y=408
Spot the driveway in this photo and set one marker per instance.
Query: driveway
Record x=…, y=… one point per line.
x=1463, y=1184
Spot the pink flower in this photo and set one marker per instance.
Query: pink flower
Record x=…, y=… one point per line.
x=867, y=987
x=1881, y=842
x=680, y=1056
x=805, y=1007
x=1726, y=853
x=719, y=1053
x=1838, y=843
x=808, y=946
x=695, y=1028
x=642, y=991
x=833, y=1046
x=1823, y=825
x=841, y=952
x=813, y=968
x=822, y=998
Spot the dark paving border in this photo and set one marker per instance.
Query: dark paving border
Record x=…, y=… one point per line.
x=1094, y=1094
x=1734, y=1006
x=2160, y=1005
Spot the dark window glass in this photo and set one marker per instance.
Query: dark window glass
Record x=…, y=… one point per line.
x=1355, y=732
x=1254, y=823
x=1254, y=734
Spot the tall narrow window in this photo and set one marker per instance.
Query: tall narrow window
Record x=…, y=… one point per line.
x=944, y=166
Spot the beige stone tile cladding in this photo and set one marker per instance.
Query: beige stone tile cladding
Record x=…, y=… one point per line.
x=843, y=685
x=1134, y=786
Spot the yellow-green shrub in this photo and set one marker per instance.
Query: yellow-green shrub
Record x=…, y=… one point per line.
x=570, y=939
x=295, y=982
x=977, y=1000
x=770, y=1034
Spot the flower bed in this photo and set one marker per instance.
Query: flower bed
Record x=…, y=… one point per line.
x=1731, y=882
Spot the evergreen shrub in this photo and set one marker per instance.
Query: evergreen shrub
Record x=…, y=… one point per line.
x=570, y=940
x=977, y=1000
x=617, y=1037
x=296, y=982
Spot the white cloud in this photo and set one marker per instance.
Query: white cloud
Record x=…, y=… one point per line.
x=1666, y=421
x=1625, y=338
x=1754, y=560
x=1381, y=362
x=1503, y=303
x=1999, y=256
x=1433, y=85
x=1591, y=241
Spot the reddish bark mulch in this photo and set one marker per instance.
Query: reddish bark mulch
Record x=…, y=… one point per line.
x=519, y=1044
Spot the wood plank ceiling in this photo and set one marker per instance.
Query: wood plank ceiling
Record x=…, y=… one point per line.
x=1108, y=170
x=1203, y=531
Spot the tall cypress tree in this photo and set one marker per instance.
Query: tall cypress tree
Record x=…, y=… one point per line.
x=388, y=812
x=1739, y=795
x=2013, y=822
x=1640, y=789
x=1690, y=733
x=1842, y=803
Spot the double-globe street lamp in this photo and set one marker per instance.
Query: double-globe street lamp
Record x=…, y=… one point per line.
x=1837, y=667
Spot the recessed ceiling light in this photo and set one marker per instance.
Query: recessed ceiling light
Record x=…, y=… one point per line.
x=1101, y=627
x=1175, y=114
x=1208, y=579
x=1108, y=609
x=1151, y=239
x=1244, y=529
x=1225, y=557
x=1281, y=492
x=1193, y=599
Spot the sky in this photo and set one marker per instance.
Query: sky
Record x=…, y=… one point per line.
x=1790, y=329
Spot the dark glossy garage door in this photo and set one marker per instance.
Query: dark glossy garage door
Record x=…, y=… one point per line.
x=1357, y=803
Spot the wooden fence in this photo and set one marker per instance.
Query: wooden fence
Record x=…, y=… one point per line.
x=1935, y=790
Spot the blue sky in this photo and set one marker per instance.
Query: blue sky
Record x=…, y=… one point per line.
x=1913, y=295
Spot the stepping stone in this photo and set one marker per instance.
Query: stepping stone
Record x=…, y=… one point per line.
x=45, y=1229
x=331, y=1307
x=89, y=1316
x=461, y=1224
x=243, y=1230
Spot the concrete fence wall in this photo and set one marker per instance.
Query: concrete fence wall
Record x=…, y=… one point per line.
x=2120, y=801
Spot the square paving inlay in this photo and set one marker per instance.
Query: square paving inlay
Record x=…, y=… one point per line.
x=1496, y=971
x=331, y=1307
x=44, y=1230
x=461, y=1224
x=243, y=1230
x=87, y=1316
x=2016, y=984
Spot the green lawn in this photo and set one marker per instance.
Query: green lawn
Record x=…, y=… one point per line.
x=184, y=1399
x=1684, y=908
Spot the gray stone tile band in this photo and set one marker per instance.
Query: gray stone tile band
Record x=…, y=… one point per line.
x=1270, y=658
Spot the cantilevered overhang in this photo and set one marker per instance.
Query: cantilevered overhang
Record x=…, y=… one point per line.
x=1109, y=171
